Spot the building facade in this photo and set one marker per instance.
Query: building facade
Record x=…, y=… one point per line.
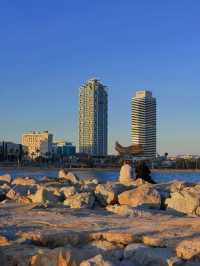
x=10, y=151
x=144, y=123
x=93, y=119
x=38, y=144
x=64, y=149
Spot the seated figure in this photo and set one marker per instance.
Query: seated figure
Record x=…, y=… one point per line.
x=143, y=172
x=127, y=172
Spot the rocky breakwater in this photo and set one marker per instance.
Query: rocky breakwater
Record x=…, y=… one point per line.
x=67, y=221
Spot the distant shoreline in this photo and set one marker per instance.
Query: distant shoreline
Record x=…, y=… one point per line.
x=38, y=169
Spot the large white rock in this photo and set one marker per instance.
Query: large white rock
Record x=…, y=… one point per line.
x=97, y=261
x=43, y=195
x=34, y=256
x=144, y=195
x=2, y=195
x=68, y=176
x=19, y=191
x=80, y=200
x=189, y=249
x=125, y=210
x=107, y=194
x=68, y=191
x=142, y=255
x=5, y=178
x=186, y=201
x=24, y=181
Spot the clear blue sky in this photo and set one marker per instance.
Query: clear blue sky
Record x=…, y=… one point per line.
x=49, y=48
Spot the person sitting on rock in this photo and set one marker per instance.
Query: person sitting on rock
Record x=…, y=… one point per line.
x=127, y=172
x=143, y=172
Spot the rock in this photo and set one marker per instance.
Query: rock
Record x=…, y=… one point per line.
x=24, y=181
x=90, y=180
x=56, y=192
x=171, y=187
x=68, y=176
x=144, y=195
x=186, y=201
x=97, y=261
x=106, y=248
x=56, y=239
x=19, y=191
x=5, y=178
x=139, y=182
x=115, y=237
x=80, y=200
x=128, y=211
x=2, y=195
x=42, y=195
x=89, y=184
x=68, y=191
x=3, y=241
x=147, y=256
x=25, y=255
x=5, y=187
x=154, y=241
x=126, y=263
x=174, y=261
x=107, y=194
x=189, y=249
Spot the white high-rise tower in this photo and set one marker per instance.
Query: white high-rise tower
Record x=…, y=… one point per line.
x=144, y=122
x=93, y=118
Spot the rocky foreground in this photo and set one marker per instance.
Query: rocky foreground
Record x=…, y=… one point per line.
x=67, y=221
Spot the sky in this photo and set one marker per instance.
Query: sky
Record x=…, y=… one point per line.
x=49, y=48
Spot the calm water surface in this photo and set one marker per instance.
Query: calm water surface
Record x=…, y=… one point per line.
x=162, y=176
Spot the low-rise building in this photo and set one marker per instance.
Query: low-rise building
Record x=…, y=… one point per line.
x=64, y=149
x=10, y=150
x=38, y=144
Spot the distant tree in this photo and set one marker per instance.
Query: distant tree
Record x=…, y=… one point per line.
x=32, y=155
x=166, y=155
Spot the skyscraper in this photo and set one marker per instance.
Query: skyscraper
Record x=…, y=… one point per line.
x=144, y=122
x=93, y=118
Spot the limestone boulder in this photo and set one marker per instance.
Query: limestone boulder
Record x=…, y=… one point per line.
x=103, y=247
x=72, y=178
x=80, y=200
x=24, y=181
x=107, y=194
x=68, y=191
x=42, y=195
x=144, y=195
x=139, y=182
x=5, y=187
x=118, y=239
x=25, y=255
x=175, y=261
x=2, y=195
x=186, y=201
x=3, y=241
x=154, y=241
x=90, y=180
x=5, y=179
x=189, y=249
x=97, y=261
x=142, y=255
x=56, y=192
x=19, y=191
x=89, y=184
x=56, y=239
